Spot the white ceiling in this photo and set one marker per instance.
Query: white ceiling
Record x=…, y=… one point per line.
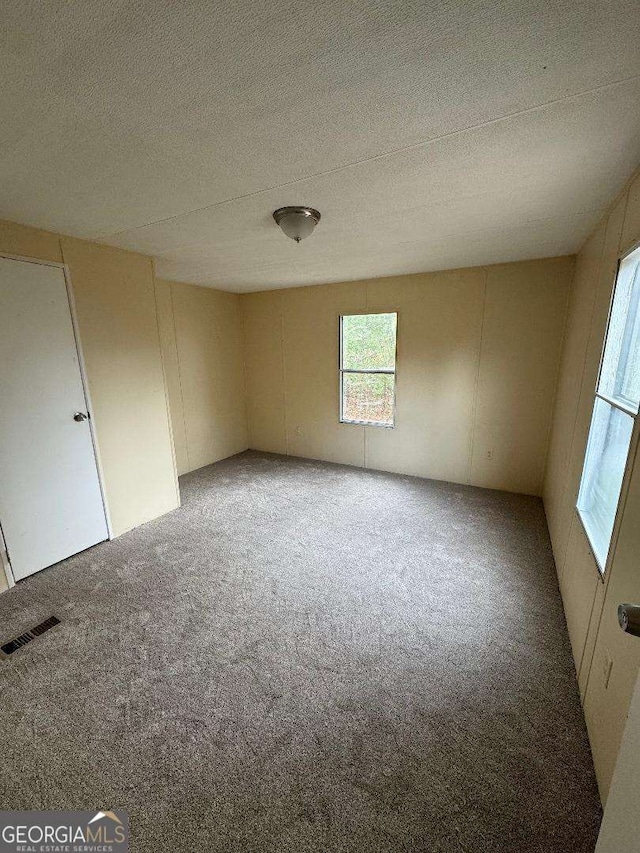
x=429, y=133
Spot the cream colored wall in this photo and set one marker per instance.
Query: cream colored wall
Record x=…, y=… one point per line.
x=478, y=351
x=590, y=603
x=29, y=242
x=576, y=339
x=201, y=334
x=523, y=324
x=439, y=344
x=169, y=349
x=118, y=325
x=116, y=309
x=263, y=352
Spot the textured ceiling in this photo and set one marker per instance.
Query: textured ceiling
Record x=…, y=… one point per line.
x=429, y=133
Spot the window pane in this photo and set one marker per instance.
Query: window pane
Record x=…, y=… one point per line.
x=620, y=374
x=368, y=397
x=369, y=342
x=606, y=458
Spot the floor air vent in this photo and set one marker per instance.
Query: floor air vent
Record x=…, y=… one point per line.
x=18, y=642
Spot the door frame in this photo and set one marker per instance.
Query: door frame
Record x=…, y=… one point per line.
x=4, y=558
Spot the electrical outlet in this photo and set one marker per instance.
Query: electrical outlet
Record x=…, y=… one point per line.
x=489, y=454
x=607, y=666
x=298, y=430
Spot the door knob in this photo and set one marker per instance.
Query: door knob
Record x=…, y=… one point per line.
x=80, y=416
x=629, y=618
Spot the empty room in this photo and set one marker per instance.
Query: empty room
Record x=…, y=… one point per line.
x=319, y=396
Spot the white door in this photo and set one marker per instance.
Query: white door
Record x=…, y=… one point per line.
x=50, y=499
x=620, y=831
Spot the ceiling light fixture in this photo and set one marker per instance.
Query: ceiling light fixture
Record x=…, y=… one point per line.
x=297, y=222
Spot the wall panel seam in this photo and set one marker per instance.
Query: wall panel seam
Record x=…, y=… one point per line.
x=241, y=305
x=284, y=375
x=365, y=463
x=624, y=216
x=563, y=339
x=184, y=416
x=166, y=384
x=476, y=390
x=584, y=645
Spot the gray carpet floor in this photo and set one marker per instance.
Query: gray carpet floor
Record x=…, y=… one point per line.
x=306, y=657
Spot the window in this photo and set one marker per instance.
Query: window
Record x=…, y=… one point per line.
x=368, y=368
x=614, y=412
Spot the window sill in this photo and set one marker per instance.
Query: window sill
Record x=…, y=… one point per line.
x=601, y=570
x=367, y=423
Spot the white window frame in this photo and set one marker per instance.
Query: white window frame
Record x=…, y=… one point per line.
x=603, y=565
x=344, y=370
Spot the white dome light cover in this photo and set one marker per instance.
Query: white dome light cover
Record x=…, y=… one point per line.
x=297, y=222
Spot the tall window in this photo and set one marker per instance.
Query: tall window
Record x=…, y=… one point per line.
x=368, y=368
x=614, y=412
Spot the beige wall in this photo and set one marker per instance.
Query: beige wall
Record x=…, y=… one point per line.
x=590, y=603
x=118, y=325
x=164, y=367
x=201, y=334
x=116, y=309
x=478, y=354
x=29, y=242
